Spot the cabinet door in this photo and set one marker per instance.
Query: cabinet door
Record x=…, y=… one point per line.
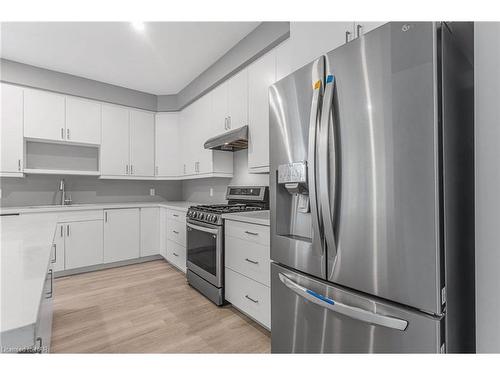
x=115, y=141
x=237, y=100
x=167, y=147
x=83, y=244
x=150, y=231
x=219, y=109
x=261, y=75
x=11, y=128
x=188, y=141
x=44, y=115
x=283, y=59
x=142, y=140
x=59, y=253
x=309, y=40
x=201, y=133
x=121, y=234
x=365, y=27
x=163, y=232
x=83, y=121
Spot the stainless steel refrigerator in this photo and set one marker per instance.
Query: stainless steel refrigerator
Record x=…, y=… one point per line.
x=372, y=195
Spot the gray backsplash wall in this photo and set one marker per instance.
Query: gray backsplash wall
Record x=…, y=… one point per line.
x=199, y=190
x=43, y=190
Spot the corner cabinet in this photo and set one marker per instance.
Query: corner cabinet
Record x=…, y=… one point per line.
x=167, y=148
x=127, y=147
x=261, y=75
x=11, y=162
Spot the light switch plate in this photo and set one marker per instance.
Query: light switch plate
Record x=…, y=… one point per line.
x=211, y=192
x=152, y=192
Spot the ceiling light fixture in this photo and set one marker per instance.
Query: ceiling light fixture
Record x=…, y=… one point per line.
x=138, y=26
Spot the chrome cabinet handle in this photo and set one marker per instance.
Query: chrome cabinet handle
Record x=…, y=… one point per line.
x=67, y=133
x=251, y=299
x=49, y=294
x=19, y=164
x=126, y=169
x=251, y=233
x=229, y=122
x=55, y=253
x=67, y=230
x=175, y=215
x=39, y=342
x=62, y=231
x=347, y=36
x=251, y=261
x=175, y=254
x=358, y=30
x=340, y=308
x=175, y=232
x=225, y=123
x=106, y=216
x=131, y=169
x=62, y=133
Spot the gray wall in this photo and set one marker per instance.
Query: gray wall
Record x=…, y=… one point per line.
x=266, y=36
x=262, y=39
x=43, y=189
x=199, y=190
x=487, y=138
x=32, y=76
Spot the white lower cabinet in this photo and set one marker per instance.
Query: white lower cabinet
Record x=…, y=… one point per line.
x=175, y=235
x=249, y=296
x=83, y=244
x=150, y=231
x=247, y=269
x=176, y=255
x=121, y=234
x=163, y=232
x=59, y=249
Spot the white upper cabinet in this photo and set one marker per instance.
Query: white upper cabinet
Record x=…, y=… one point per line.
x=83, y=121
x=187, y=130
x=203, y=160
x=44, y=115
x=11, y=136
x=261, y=75
x=167, y=147
x=237, y=100
x=142, y=140
x=219, y=118
x=361, y=28
x=115, y=141
x=309, y=40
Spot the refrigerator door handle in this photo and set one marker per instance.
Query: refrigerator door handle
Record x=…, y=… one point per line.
x=340, y=308
x=325, y=173
x=311, y=163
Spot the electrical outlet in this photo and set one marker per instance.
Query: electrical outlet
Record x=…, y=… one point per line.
x=211, y=192
x=152, y=192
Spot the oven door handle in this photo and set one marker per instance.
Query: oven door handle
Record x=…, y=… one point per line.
x=203, y=229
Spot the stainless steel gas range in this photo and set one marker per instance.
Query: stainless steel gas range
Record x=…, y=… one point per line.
x=205, y=238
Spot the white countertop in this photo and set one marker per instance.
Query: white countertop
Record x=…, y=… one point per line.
x=175, y=205
x=254, y=217
x=26, y=246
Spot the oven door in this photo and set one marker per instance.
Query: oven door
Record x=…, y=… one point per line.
x=204, y=251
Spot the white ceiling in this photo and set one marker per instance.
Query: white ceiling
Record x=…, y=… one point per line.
x=160, y=60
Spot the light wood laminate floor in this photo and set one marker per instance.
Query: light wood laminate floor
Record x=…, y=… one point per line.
x=146, y=308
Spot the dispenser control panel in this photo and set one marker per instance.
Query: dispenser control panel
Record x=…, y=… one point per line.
x=292, y=173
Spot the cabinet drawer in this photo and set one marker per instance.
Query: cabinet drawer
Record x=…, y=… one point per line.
x=251, y=297
x=176, y=231
x=176, y=255
x=248, y=232
x=248, y=258
x=179, y=216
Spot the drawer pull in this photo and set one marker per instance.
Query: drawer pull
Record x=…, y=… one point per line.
x=251, y=233
x=175, y=254
x=251, y=261
x=251, y=299
x=175, y=215
x=175, y=232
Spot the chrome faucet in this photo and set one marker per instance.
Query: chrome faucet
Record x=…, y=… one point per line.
x=62, y=188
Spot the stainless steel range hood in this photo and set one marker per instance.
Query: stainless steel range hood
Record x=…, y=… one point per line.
x=233, y=140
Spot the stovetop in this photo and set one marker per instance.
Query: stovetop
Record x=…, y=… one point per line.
x=240, y=199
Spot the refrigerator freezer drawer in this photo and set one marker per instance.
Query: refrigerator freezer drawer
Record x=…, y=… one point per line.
x=311, y=316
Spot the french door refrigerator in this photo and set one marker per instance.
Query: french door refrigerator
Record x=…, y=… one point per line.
x=371, y=184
